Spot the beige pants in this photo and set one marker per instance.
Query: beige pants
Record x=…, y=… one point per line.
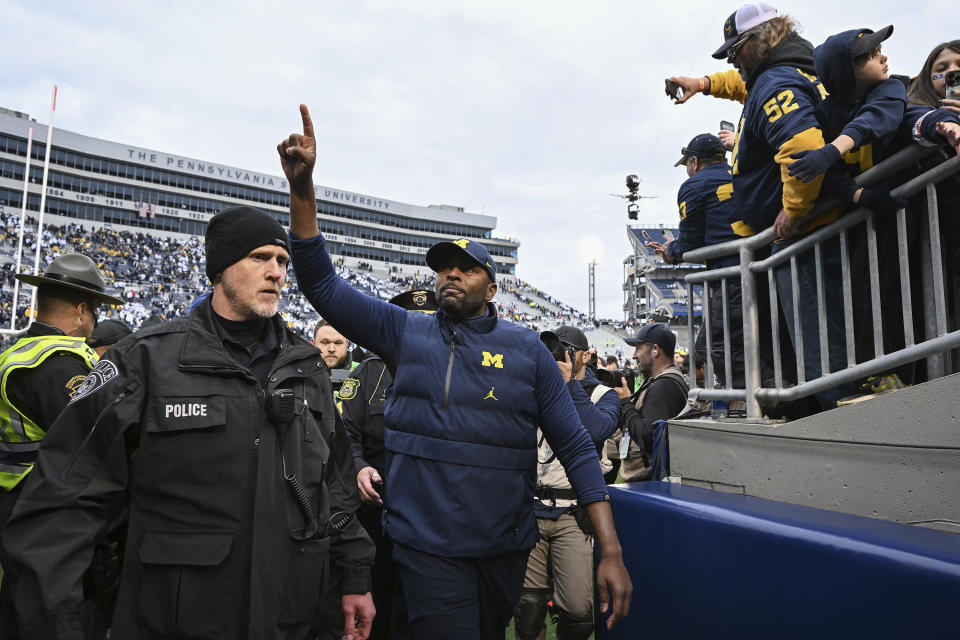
x=570, y=553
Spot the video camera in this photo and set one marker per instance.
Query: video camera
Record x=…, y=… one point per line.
x=557, y=347
x=633, y=194
x=608, y=378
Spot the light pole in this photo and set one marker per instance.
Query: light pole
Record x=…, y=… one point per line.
x=592, y=289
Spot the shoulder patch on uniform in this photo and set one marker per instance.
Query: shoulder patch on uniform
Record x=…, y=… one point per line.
x=73, y=385
x=104, y=372
x=349, y=388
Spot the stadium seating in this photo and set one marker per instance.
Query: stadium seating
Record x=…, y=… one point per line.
x=157, y=275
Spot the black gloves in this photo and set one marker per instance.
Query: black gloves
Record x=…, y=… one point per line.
x=880, y=201
x=810, y=164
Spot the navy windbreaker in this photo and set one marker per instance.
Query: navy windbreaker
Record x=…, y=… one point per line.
x=460, y=465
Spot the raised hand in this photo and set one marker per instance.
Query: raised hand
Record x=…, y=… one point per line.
x=298, y=154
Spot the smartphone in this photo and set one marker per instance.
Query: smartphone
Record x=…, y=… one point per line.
x=952, y=85
x=674, y=90
x=726, y=126
x=646, y=236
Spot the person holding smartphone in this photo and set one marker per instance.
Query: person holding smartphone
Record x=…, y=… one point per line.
x=708, y=216
x=727, y=135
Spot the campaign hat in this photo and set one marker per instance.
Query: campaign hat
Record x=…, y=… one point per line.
x=74, y=271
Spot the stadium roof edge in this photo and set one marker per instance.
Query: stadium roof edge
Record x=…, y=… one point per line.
x=21, y=123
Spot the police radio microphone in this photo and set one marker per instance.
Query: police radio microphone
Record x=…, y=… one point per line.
x=282, y=405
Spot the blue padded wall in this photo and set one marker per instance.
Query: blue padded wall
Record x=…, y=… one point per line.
x=707, y=564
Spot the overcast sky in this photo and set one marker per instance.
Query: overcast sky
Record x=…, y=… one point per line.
x=533, y=112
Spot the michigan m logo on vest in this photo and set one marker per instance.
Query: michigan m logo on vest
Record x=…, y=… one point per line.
x=492, y=360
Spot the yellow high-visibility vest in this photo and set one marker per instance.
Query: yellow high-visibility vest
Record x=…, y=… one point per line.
x=19, y=435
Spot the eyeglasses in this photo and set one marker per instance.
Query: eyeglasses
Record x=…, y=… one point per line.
x=736, y=46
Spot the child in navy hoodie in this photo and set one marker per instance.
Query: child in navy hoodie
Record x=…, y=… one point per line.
x=867, y=120
x=864, y=109
x=866, y=114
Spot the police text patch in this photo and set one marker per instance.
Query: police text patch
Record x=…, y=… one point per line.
x=183, y=413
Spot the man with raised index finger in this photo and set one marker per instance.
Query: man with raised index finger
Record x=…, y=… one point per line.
x=470, y=391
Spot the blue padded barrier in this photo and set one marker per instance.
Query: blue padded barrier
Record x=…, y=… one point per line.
x=708, y=564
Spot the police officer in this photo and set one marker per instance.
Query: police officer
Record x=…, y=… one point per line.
x=217, y=432
x=469, y=392
x=39, y=375
x=564, y=548
x=363, y=398
x=335, y=350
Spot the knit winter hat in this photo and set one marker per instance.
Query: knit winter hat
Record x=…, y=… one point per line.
x=235, y=232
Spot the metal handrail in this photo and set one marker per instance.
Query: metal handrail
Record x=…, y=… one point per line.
x=750, y=268
x=892, y=165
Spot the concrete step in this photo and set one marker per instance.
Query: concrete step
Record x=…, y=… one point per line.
x=895, y=457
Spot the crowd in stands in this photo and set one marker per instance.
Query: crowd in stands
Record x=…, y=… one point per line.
x=161, y=277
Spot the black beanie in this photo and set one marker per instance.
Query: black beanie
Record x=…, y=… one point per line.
x=235, y=232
